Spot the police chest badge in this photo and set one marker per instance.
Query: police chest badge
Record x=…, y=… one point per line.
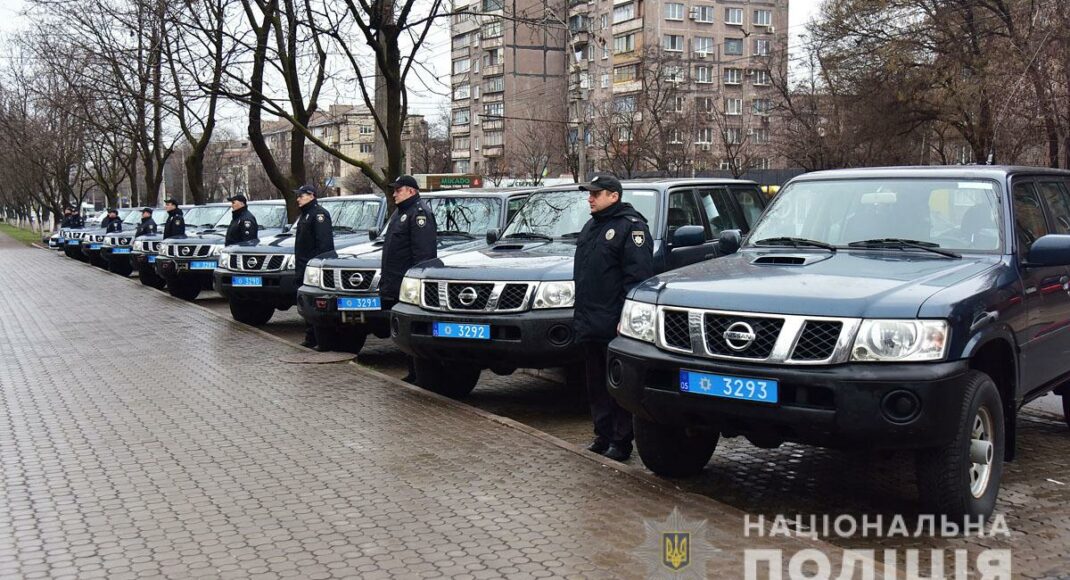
x=319, y=217
x=610, y=233
x=639, y=238
x=178, y=221
x=404, y=217
x=421, y=220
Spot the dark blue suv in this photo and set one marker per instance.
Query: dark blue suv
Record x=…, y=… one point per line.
x=914, y=308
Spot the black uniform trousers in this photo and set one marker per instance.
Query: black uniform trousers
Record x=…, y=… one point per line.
x=612, y=423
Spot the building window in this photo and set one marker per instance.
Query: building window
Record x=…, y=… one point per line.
x=462, y=91
x=491, y=29
x=623, y=13
x=492, y=139
x=726, y=165
x=674, y=11
x=763, y=17
x=623, y=74
x=704, y=104
x=460, y=117
x=676, y=137
x=367, y=130
x=760, y=136
x=733, y=76
x=733, y=46
x=733, y=16
x=493, y=84
x=461, y=17
x=703, y=44
x=702, y=14
x=605, y=80
x=674, y=42
x=625, y=104
x=703, y=74
x=733, y=106
x=761, y=47
x=461, y=41
x=366, y=147
x=492, y=5
x=492, y=57
x=493, y=109
x=605, y=52
x=624, y=134
x=461, y=66
x=733, y=135
x=623, y=44
x=761, y=77
x=461, y=166
x=760, y=163
x=762, y=106
x=460, y=143
x=678, y=105
x=705, y=135
x=671, y=73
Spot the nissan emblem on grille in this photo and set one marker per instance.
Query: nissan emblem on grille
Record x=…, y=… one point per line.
x=468, y=296
x=185, y=250
x=739, y=336
x=250, y=263
x=356, y=278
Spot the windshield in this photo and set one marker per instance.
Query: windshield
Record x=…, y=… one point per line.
x=354, y=214
x=198, y=215
x=269, y=215
x=159, y=216
x=212, y=217
x=956, y=215
x=470, y=215
x=131, y=217
x=563, y=213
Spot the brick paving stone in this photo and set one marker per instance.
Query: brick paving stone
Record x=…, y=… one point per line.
x=137, y=422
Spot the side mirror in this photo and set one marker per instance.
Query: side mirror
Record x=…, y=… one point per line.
x=1049, y=250
x=492, y=235
x=286, y=228
x=687, y=236
x=373, y=234
x=729, y=242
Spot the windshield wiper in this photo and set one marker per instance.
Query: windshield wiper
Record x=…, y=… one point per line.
x=342, y=228
x=795, y=243
x=457, y=233
x=529, y=236
x=206, y=226
x=901, y=244
x=571, y=235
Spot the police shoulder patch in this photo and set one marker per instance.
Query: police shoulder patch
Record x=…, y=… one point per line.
x=319, y=217
x=639, y=237
x=421, y=220
x=610, y=233
x=178, y=221
x=404, y=216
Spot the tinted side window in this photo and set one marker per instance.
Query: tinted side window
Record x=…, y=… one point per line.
x=683, y=210
x=1058, y=199
x=718, y=212
x=1029, y=222
x=750, y=200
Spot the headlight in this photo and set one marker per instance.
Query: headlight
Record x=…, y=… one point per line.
x=224, y=258
x=216, y=250
x=638, y=320
x=313, y=275
x=288, y=262
x=555, y=295
x=410, y=291
x=900, y=341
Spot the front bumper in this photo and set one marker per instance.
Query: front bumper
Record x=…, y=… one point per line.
x=850, y=405
x=279, y=288
x=143, y=260
x=91, y=249
x=107, y=252
x=533, y=339
x=319, y=307
x=178, y=270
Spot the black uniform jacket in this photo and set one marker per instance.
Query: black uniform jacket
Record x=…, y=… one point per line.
x=146, y=227
x=314, y=236
x=411, y=238
x=614, y=253
x=242, y=228
x=175, y=226
x=112, y=224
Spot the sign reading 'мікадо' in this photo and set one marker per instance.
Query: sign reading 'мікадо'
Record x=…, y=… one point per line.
x=435, y=182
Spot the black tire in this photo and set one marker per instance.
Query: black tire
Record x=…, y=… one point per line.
x=947, y=476
x=120, y=266
x=98, y=261
x=148, y=277
x=673, y=451
x=251, y=313
x=184, y=291
x=454, y=380
x=353, y=339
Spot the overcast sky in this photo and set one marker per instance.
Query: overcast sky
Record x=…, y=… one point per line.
x=427, y=94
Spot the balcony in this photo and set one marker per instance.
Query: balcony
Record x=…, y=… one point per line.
x=491, y=42
x=495, y=125
x=461, y=52
x=581, y=37
x=629, y=26
x=627, y=87
x=460, y=154
x=492, y=70
x=493, y=151
x=493, y=97
x=460, y=129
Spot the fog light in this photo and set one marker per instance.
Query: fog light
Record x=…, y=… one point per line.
x=559, y=334
x=616, y=372
x=321, y=304
x=900, y=406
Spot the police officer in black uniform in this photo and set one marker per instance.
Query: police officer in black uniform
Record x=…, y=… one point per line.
x=314, y=237
x=112, y=223
x=411, y=238
x=614, y=254
x=66, y=221
x=148, y=225
x=76, y=218
x=243, y=226
x=175, y=226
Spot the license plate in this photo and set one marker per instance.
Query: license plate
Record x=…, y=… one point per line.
x=460, y=330
x=72, y=242
x=152, y=259
x=742, y=388
x=247, y=281
x=94, y=246
x=202, y=265
x=360, y=303
x=120, y=250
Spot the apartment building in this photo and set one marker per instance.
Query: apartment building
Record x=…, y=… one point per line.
x=509, y=87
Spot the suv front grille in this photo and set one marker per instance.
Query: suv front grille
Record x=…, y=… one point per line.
x=677, y=330
x=478, y=296
x=765, y=331
x=356, y=279
x=431, y=294
x=513, y=296
x=188, y=250
x=468, y=296
x=255, y=262
x=818, y=340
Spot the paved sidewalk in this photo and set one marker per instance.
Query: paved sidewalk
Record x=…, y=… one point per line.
x=144, y=436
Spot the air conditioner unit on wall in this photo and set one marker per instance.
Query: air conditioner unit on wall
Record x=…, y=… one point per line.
x=705, y=147
x=701, y=55
x=693, y=13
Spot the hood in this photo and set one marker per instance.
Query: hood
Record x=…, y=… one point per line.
x=508, y=260
x=370, y=255
x=279, y=242
x=848, y=284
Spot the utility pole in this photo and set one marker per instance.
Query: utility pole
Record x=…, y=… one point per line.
x=380, y=156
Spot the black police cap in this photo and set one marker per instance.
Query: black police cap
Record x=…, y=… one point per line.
x=112, y=210
x=238, y=197
x=171, y=201
x=146, y=210
x=606, y=182
x=305, y=190
x=405, y=181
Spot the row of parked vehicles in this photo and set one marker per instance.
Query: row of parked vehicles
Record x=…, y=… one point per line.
x=900, y=308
